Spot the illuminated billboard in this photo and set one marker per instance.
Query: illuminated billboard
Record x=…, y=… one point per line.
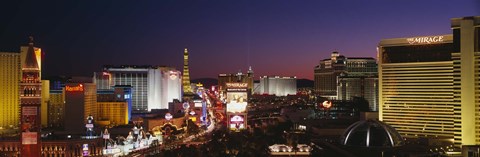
x=236, y=102
x=198, y=103
x=237, y=122
x=85, y=150
x=236, y=86
x=29, y=125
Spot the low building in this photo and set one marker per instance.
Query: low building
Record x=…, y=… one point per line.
x=114, y=106
x=112, y=113
x=63, y=147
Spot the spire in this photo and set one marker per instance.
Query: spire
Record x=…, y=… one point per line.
x=250, y=72
x=250, y=69
x=31, y=58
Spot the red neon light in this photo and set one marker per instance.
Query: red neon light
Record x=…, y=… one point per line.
x=78, y=88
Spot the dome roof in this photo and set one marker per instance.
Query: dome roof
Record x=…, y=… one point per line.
x=371, y=133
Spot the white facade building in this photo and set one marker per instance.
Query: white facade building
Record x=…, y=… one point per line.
x=276, y=85
x=153, y=87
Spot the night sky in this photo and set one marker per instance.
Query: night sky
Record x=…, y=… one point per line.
x=275, y=37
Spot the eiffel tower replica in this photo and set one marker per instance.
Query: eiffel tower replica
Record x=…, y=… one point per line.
x=187, y=88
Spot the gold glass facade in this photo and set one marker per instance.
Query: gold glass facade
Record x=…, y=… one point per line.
x=9, y=91
x=114, y=112
x=417, y=98
x=430, y=87
x=416, y=93
x=466, y=33
x=45, y=100
x=90, y=101
x=56, y=108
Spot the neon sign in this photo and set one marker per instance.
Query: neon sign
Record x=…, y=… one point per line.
x=425, y=40
x=327, y=104
x=237, y=85
x=173, y=75
x=236, y=119
x=78, y=88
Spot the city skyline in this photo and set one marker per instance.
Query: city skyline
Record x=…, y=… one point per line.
x=78, y=38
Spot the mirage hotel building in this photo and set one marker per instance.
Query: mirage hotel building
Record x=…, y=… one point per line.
x=430, y=86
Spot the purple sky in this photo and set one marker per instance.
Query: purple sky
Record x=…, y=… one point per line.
x=275, y=37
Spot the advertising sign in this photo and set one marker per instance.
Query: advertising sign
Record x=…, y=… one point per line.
x=78, y=88
x=29, y=138
x=425, y=40
x=29, y=126
x=237, y=122
x=236, y=86
x=236, y=102
x=198, y=103
x=85, y=150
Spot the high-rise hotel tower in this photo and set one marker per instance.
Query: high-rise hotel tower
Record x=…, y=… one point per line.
x=10, y=76
x=152, y=86
x=429, y=86
x=187, y=88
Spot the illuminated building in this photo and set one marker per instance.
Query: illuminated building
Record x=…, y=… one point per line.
x=80, y=102
x=279, y=86
x=10, y=77
x=223, y=79
x=112, y=113
x=237, y=102
x=9, y=83
x=285, y=150
x=56, y=109
x=187, y=88
x=416, y=87
x=63, y=147
x=45, y=101
x=152, y=87
x=328, y=70
x=172, y=87
x=428, y=85
x=349, y=87
x=113, y=107
x=30, y=103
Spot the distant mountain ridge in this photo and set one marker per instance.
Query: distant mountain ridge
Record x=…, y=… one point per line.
x=304, y=83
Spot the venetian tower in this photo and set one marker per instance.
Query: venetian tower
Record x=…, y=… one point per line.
x=30, y=102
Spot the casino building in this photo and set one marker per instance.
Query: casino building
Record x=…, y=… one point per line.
x=344, y=78
x=11, y=64
x=429, y=86
x=152, y=87
x=276, y=85
x=248, y=78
